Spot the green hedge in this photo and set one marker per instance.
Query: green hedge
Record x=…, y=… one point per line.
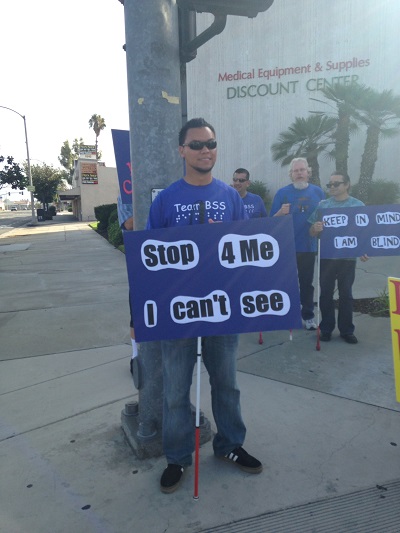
x=102, y=214
x=260, y=188
x=113, y=217
x=115, y=234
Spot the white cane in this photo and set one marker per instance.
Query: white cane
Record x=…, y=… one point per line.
x=318, y=346
x=197, y=431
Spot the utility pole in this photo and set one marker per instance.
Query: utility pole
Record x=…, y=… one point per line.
x=155, y=117
x=152, y=55
x=33, y=220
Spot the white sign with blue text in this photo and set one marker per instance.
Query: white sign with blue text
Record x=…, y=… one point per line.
x=213, y=279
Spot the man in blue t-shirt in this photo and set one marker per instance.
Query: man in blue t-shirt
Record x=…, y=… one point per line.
x=299, y=199
x=340, y=271
x=199, y=198
x=253, y=203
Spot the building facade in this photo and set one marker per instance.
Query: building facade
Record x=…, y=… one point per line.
x=258, y=75
x=93, y=184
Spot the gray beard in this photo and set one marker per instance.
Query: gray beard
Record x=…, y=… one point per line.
x=300, y=185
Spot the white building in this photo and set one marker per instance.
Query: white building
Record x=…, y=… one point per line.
x=258, y=75
x=93, y=184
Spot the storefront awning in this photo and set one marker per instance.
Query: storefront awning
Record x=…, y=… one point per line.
x=70, y=194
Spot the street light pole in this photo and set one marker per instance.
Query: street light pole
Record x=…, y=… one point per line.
x=33, y=221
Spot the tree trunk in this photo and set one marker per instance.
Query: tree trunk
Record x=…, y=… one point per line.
x=368, y=161
x=313, y=163
x=342, y=138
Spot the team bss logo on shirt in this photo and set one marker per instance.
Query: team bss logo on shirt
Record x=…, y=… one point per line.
x=199, y=212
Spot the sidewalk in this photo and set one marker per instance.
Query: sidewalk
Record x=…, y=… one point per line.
x=325, y=424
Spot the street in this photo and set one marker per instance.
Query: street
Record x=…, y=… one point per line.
x=13, y=219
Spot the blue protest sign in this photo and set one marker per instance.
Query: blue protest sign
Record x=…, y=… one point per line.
x=123, y=161
x=354, y=231
x=213, y=279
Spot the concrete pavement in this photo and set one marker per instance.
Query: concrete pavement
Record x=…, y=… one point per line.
x=325, y=424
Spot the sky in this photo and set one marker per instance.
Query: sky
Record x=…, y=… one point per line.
x=61, y=63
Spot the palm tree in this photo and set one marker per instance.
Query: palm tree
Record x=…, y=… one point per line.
x=380, y=112
x=77, y=144
x=346, y=98
x=306, y=137
x=97, y=123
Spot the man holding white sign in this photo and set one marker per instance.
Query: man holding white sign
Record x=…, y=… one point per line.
x=342, y=270
x=196, y=199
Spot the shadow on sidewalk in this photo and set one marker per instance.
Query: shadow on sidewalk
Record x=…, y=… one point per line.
x=60, y=218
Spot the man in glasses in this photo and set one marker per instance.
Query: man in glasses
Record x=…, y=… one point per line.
x=340, y=270
x=195, y=199
x=253, y=203
x=299, y=199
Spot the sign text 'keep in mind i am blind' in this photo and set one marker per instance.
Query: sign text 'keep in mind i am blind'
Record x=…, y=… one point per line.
x=354, y=231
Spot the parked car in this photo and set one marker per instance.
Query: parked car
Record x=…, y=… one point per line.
x=14, y=208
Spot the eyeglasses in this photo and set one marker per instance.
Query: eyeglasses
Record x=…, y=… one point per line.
x=334, y=184
x=240, y=180
x=199, y=145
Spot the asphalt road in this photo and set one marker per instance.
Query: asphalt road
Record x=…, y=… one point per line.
x=13, y=219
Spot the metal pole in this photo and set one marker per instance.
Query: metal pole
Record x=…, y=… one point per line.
x=33, y=221
x=153, y=73
x=197, y=430
x=318, y=345
x=154, y=92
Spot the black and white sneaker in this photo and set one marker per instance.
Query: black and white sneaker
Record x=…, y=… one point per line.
x=310, y=324
x=171, y=478
x=242, y=460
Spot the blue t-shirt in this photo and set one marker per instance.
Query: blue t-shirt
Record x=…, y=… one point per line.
x=183, y=204
x=331, y=202
x=254, y=206
x=302, y=204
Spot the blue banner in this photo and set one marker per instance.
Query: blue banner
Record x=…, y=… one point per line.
x=213, y=279
x=122, y=152
x=354, y=231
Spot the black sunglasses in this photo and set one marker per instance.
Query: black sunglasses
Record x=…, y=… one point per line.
x=334, y=184
x=240, y=180
x=199, y=145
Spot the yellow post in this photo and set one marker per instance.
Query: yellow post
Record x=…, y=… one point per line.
x=394, y=305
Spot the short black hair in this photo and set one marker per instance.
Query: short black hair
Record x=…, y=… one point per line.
x=345, y=176
x=242, y=171
x=193, y=123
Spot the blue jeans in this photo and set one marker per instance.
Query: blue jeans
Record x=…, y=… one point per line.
x=343, y=271
x=179, y=358
x=305, y=272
